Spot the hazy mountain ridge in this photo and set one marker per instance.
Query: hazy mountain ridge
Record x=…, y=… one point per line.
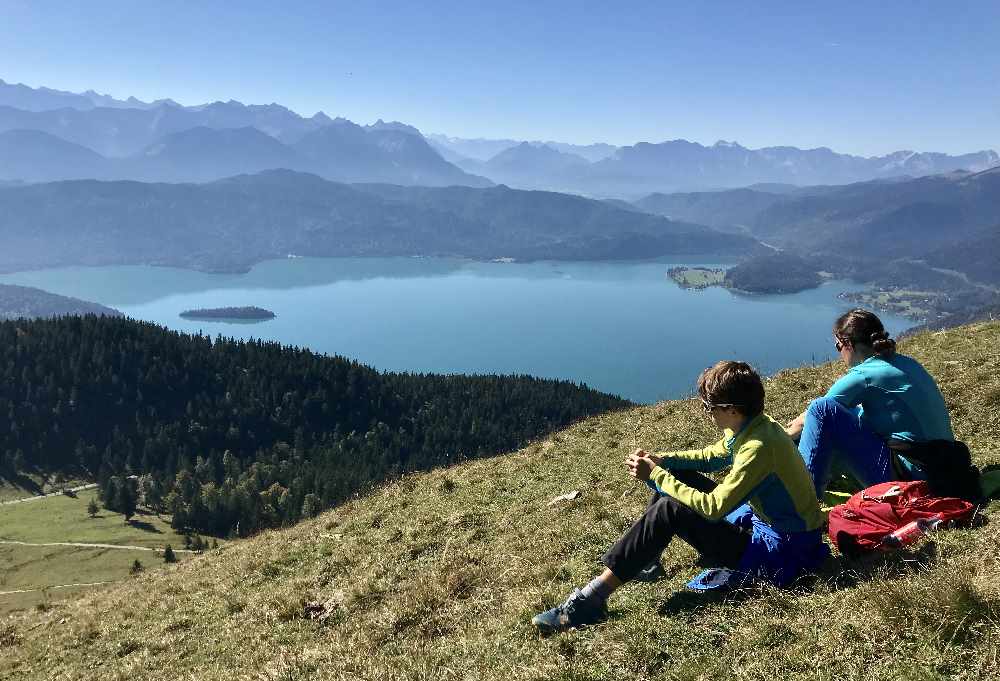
x=530, y=166
x=680, y=165
x=729, y=210
x=202, y=154
x=115, y=129
x=25, y=302
x=887, y=218
x=876, y=218
x=168, y=142
x=21, y=96
x=234, y=223
x=930, y=246
x=482, y=149
x=35, y=156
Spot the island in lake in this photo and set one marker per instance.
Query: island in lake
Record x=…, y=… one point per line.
x=230, y=313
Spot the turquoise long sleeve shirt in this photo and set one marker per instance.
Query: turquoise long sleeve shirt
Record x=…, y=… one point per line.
x=898, y=399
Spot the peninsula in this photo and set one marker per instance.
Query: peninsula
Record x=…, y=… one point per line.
x=775, y=273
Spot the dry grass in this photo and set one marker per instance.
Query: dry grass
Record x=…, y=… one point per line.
x=435, y=576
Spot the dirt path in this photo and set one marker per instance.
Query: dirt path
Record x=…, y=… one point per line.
x=92, y=546
x=50, y=494
x=46, y=588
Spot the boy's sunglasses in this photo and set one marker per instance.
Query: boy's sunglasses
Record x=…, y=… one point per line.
x=709, y=407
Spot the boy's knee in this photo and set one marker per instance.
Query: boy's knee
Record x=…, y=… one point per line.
x=666, y=507
x=822, y=405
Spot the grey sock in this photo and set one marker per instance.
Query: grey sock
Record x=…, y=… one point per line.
x=597, y=588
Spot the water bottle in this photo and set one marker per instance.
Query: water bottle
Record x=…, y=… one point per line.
x=911, y=532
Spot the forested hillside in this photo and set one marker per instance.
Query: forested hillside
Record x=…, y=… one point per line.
x=779, y=272
x=232, y=437
x=234, y=223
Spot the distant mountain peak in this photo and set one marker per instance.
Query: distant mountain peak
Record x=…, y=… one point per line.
x=393, y=125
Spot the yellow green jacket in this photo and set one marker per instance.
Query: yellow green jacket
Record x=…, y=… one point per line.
x=767, y=473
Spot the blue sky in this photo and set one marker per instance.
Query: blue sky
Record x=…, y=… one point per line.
x=859, y=77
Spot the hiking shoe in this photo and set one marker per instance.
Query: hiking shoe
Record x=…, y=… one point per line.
x=653, y=572
x=577, y=611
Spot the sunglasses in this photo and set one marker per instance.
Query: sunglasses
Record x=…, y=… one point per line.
x=709, y=407
x=840, y=343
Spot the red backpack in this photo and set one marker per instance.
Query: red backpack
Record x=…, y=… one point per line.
x=859, y=525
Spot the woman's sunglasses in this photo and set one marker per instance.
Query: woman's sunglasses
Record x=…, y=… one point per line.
x=709, y=407
x=840, y=343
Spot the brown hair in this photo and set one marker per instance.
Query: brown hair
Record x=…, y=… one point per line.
x=734, y=383
x=862, y=327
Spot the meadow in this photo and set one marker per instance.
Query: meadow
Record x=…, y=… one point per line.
x=35, y=570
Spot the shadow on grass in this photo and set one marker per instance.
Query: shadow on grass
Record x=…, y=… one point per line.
x=145, y=526
x=841, y=572
x=685, y=601
x=22, y=482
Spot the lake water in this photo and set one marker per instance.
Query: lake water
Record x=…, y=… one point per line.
x=620, y=327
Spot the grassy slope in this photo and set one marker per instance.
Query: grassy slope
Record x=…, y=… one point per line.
x=437, y=575
x=65, y=519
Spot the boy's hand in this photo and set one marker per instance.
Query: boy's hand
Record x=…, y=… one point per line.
x=655, y=458
x=641, y=463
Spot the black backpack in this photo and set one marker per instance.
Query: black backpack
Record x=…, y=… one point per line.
x=949, y=469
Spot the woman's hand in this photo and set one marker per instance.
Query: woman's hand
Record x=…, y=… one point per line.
x=794, y=427
x=641, y=463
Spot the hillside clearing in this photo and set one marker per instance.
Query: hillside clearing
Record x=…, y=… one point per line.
x=52, y=542
x=436, y=575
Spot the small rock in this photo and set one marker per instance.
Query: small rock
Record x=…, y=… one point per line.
x=569, y=496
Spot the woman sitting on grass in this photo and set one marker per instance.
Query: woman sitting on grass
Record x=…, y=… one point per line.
x=884, y=405
x=779, y=540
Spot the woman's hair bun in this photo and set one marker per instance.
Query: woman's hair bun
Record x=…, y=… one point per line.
x=882, y=344
x=864, y=327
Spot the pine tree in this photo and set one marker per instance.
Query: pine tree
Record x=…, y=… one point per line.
x=92, y=508
x=168, y=555
x=311, y=506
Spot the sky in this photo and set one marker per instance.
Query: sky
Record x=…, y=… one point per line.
x=859, y=77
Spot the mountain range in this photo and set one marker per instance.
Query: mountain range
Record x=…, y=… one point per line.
x=21, y=96
x=479, y=149
x=341, y=151
x=231, y=224
x=135, y=139
x=679, y=165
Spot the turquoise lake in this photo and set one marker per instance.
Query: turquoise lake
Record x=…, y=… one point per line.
x=624, y=328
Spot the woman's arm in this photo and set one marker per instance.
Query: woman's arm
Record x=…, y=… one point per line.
x=848, y=390
x=794, y=427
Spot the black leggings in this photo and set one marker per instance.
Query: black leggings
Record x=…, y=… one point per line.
x=719, y=541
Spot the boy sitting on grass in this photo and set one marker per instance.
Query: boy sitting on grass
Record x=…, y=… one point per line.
x=776, y=537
